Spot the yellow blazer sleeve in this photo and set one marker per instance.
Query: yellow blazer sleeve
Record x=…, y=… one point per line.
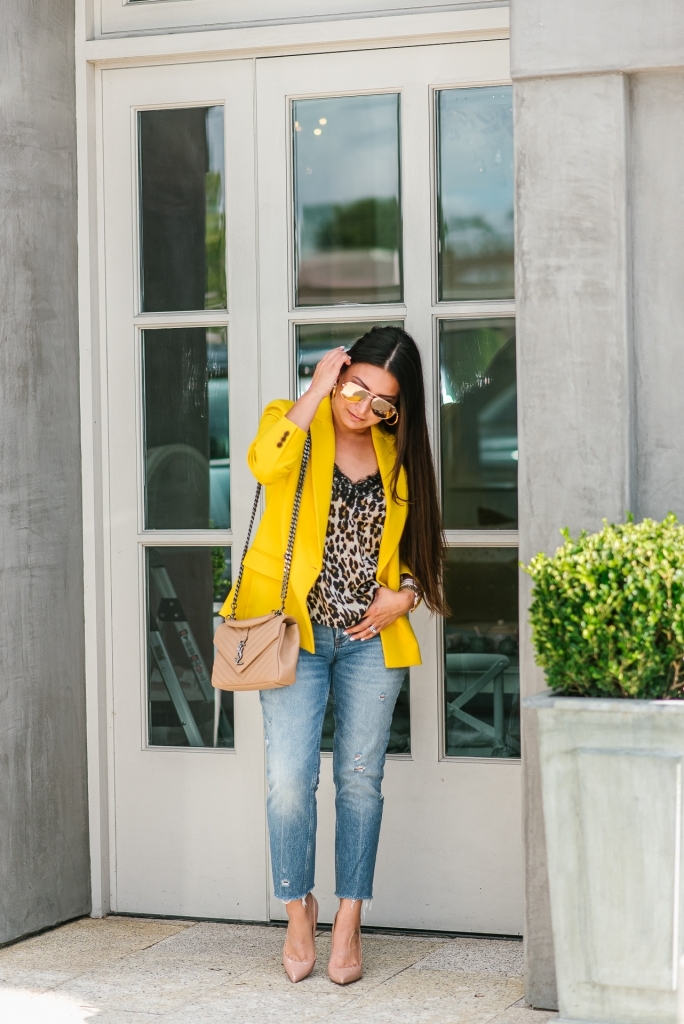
x=278, y=446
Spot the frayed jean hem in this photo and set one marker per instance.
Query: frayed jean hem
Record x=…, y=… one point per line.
x=294, y=899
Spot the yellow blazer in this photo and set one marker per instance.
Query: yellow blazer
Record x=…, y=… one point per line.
x=275, y=458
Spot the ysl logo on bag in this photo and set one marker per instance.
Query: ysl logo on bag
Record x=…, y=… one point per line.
x=240, y=651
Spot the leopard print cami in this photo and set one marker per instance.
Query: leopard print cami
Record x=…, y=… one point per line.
x=347, y=584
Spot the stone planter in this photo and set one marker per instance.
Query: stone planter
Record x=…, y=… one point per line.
x=612, y=791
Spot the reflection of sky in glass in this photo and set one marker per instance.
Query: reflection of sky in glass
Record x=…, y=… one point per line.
x=355, y=154
x=476, y=192
x=348, y=219
x=215, y=150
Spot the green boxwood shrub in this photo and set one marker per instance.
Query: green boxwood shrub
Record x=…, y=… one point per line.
x=607, y=611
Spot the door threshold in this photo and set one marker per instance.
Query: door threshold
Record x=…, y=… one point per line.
x=366, y=929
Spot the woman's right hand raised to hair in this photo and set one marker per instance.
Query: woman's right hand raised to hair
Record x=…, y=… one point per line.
x=322, y=383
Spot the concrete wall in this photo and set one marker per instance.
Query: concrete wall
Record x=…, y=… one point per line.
x=44, y=869
x=549, y=37
x=657, y=159
x=599, y=144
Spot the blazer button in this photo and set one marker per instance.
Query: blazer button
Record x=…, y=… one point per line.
x=280, y=444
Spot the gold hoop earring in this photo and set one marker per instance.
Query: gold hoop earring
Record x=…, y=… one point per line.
x=392, y=420
x=334, y=390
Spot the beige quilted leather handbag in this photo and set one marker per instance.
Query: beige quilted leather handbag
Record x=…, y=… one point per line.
x=261, y=653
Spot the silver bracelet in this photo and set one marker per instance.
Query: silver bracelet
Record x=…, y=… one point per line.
x=408, y=583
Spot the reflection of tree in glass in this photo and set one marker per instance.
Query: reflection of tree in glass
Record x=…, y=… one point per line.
x=465, y=237
x=476, y=257
x=220, y=570
x=467, y=364
x=215, y=242
x=364, y=224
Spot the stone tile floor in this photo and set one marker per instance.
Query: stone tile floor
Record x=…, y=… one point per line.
x=138, y=971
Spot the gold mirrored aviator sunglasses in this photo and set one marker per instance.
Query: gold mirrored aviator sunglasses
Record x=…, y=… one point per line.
x=379, y=406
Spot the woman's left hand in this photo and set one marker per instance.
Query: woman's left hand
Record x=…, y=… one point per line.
x=386, y=606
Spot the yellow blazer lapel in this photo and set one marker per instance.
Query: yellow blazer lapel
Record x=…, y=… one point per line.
x=395, y=513
x=322, y=463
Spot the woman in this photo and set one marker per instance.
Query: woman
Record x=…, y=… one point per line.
x=368, y=547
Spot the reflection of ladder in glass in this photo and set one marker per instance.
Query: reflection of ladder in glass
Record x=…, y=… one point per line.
x=494, y=665
x=171, y=610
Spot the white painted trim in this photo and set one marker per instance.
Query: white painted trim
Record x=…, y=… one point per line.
x=98, y=721
x=125, y=18
x=310, y=37
x=477, y=309
x=185, y=538
x=195, y=318
x=482, y=538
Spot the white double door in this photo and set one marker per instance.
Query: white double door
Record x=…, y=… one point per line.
x=188, y=796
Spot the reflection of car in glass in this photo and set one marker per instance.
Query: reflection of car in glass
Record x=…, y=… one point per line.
x=176, y=478
x=308, y=360
x=479, y=424
x=219, y=452
x=497, y=435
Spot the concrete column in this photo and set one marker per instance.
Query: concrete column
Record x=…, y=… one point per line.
x=44, y=870
x=574, y=372
x=658, y=257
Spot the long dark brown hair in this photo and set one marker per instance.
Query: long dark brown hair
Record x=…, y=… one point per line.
x=422, y=542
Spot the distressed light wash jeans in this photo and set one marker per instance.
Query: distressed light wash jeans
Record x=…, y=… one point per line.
x=365, y=693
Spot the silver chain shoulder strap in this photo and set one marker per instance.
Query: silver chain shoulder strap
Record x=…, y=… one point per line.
x=291, y=539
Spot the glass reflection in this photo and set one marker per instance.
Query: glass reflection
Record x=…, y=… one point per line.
x=475, y=132
x=314, y=340
x=185, y=590
x=347, y=200
x=400, y=730
x=182, y=210
x=482, y=691
x=479, y=434
x=187, y=444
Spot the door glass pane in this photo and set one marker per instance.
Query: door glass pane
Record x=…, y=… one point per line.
x=400, y=732
x=185, y=590
x=479, y=436
x=482, y=694
x=314, y=340
x=475, y=165
x=347, y=200
x=187, y=447
x=182, y=209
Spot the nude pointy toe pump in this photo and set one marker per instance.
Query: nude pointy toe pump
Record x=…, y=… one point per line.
x=297, y=970
x=343, y=975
